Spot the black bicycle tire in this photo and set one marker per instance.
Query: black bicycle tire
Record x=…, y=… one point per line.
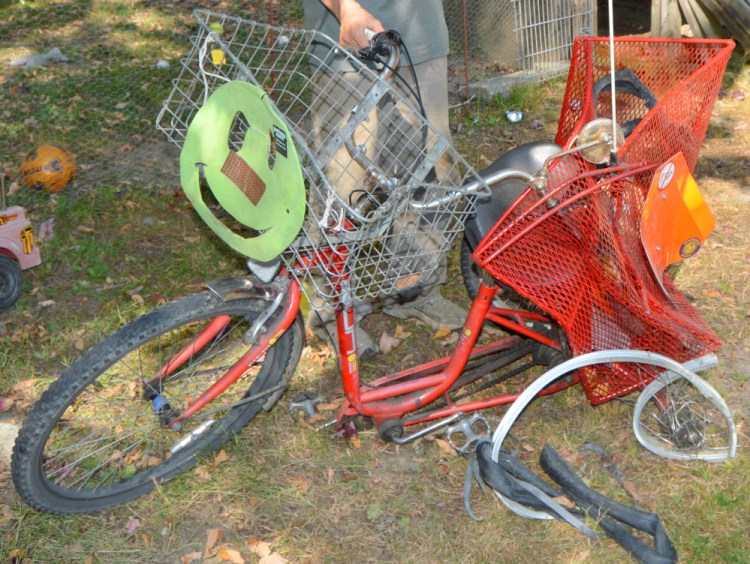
x=468, y=269
x=27, y=470
x=10, y=282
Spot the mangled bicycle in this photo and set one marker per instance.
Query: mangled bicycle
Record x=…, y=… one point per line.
x=564, y=249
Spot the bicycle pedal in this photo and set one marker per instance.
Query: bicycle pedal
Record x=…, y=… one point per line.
x=474, y=429
x=305, y=402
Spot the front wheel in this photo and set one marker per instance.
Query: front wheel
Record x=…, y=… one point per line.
x=97, y=437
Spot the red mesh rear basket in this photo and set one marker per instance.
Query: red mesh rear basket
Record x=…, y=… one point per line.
x=683, y=74
x=577, y=253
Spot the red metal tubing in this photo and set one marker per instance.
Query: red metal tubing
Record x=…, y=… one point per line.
x=248, y=359
x=383, y=403
x=216, y=326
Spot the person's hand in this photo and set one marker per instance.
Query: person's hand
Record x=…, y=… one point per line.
x=354, y=21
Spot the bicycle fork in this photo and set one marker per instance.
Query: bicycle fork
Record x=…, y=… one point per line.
x=261, y=341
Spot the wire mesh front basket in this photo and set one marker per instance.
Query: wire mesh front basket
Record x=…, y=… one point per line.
x=384, y=189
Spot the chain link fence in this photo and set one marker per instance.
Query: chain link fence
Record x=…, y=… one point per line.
x=496, y=44
x=89, y=76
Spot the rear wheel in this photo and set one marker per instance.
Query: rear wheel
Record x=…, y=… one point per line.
x=470, y=272
x=97, y=437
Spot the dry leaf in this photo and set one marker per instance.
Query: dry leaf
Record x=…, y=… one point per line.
x=565, y=502
x=191, y=557
x=302, y=483
x=6, y=514
x=230, y=555
x=400, y=333
x=5, y=404
x=446, y=447
x=133, y=525
x=212, y=537
x=84, y=229
x=332, y=406
x=137, y=298
x=387, y=343
x=259, y=548
x=442, y=333
x=222, y=456
x=355, y=442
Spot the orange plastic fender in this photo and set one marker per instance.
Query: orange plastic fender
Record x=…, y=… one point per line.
x=676, y=220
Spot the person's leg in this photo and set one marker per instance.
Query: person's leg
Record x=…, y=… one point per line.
x=425, y=235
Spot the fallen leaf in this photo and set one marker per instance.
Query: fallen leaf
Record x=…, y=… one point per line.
x=134, y=291
x=221, y=457
x=6, y=514
x=580, y=557
x=133, y=525
x=259, y=547
x=332, y=406
x=565, y=501
x=84, y=229
x=230, y=555
x=5, y=404
x=191, y=557
x=442, y=333
x=446, y=447
x=212, y=537
x=46, y=230
x=401, y=333
x=301, y=482
x=387, y=343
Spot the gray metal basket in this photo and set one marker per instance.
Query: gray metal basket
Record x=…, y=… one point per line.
x=386, y=193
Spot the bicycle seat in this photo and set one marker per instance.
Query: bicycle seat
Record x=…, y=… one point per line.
x=528, y=157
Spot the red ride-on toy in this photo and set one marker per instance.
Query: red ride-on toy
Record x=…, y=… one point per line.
x=17, y=250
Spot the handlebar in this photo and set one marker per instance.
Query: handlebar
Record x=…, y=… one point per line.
x=475, y=187
x=386, y=43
